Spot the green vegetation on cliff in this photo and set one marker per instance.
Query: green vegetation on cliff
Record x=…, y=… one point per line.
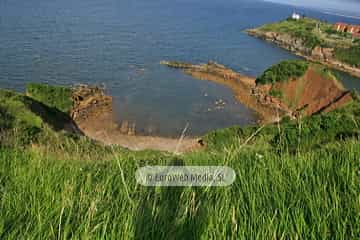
x=53, y=96
x=294, y=180
x=313, y=33
x=349, y=55
x=305, y=29
x=26, y=122
x=283, y=71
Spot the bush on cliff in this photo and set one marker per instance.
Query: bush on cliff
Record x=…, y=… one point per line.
x=349, y=55
x=52, y=96
x=283, y=71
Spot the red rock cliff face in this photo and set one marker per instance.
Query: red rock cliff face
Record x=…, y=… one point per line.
x=313, y=93
x=322, y=54
x=348, y=28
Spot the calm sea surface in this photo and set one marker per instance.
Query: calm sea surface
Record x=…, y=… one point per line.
x=120, y=43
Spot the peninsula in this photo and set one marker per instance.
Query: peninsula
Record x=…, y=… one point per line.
x=337, y=46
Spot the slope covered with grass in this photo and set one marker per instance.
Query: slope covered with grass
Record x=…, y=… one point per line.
x=53, y=96
x=294, y=180
x=349, y=55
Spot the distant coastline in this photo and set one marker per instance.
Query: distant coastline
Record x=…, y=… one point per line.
x=330, y=11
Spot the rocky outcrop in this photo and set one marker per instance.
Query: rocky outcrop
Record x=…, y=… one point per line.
x=212, y=69
x=89, y=101
x=322, y=54
x=283, y=40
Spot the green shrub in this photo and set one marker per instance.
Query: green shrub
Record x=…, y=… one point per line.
x=283, y=71
x=6, y=120
x=349, y=55
x=52, y=96
x=331, y=31
x=311, y=41
x=276, y=93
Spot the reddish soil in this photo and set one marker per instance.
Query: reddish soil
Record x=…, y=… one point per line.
x=341, y=101
x=313, y=93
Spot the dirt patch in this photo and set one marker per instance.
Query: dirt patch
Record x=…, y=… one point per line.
x=93, y=114
x=313, y=92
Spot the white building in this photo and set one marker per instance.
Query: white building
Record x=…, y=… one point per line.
x=295, y=16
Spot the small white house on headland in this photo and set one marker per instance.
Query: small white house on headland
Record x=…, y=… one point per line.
x=295, y=16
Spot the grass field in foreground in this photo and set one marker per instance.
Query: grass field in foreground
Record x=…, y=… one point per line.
x=309, y=195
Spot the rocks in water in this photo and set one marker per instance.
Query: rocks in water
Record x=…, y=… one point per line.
x=124, y=128
x=174, y=64
x=128, y=128
x=220, y=104
x=89, y=101
x=132, y=130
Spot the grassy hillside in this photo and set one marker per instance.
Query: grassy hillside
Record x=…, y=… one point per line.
x=294, y=180
x=53, y=96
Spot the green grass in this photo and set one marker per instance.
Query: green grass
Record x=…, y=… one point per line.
x=23, y=118
x=53, y=96
x=312, y=32
x=349, y=55
x=283, y=71
x=276, y=93
x=25, y=121
x=310, y=195
x=295, y=180
x=303, y=29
